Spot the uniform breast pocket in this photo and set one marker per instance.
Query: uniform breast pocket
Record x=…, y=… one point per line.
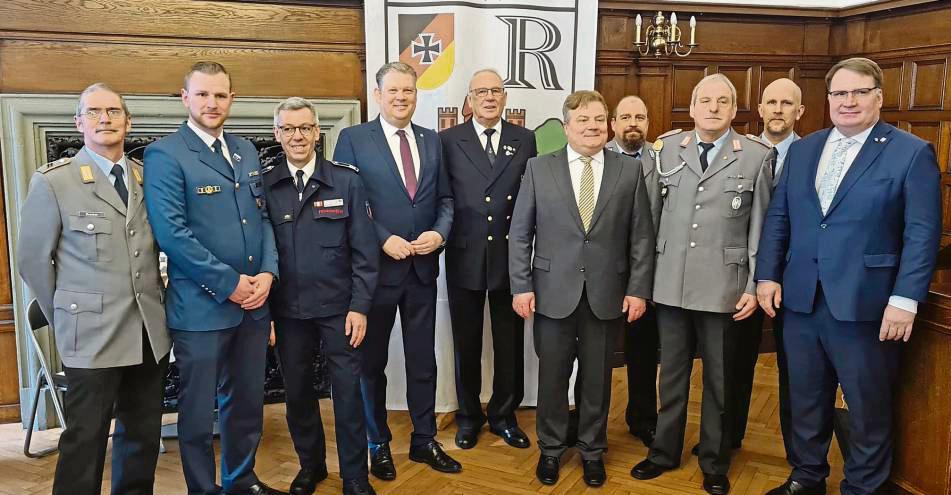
x=331, y=229
x=92, y=237
x=737, y=197
x=669, y=187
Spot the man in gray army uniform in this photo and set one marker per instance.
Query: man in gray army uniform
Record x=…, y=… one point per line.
x=86, y=252
x=714, y=187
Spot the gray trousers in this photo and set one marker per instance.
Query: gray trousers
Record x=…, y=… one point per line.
x=684, y=333
x=558, y=342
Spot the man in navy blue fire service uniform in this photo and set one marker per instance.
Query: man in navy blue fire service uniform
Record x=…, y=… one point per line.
x=329, y=256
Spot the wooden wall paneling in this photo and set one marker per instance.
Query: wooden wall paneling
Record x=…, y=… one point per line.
x=742, y=79
x=893, y=85
x=929, y=131
x=922, y=30
x=943, y=149
x=929, y=79
x=683, y=79
x=813, y=85
x=654, y=87
x=9, y=372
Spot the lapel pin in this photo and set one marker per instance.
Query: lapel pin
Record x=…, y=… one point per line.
x=236, y=157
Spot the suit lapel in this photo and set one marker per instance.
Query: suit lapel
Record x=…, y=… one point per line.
x=472, y=148
x=874, y=145
x=562, y=178
x=502, y=158
x=237, y=160
x=425, y=166
x=101, y=186
x=610, y=176
x=812, y=158
x=205, y=154
x=689, y=154
x=378, y=137
x=724, y=158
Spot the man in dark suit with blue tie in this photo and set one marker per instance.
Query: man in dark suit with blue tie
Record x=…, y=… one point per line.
x=485, y=158
x=410, y=198
x=206, y=205
x=850, y=239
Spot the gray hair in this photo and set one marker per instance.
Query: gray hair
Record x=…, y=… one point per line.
x=485, y=70
x=293, y=103
x=394, y=67
x=711, y=78
x=100, y=86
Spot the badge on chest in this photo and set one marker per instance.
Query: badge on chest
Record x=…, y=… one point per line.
x=330, y=208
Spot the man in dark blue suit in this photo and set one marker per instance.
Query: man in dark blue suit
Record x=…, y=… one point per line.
x=850, y=239
x=206, y=205
x=409, y=194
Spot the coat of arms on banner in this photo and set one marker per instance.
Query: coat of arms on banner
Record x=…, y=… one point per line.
x=427, y=45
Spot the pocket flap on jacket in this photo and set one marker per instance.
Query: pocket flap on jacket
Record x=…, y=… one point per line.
x=738, y=185
x=881, y=260
x=541, y=263
x=90, y=225
x=734, y=256
x=77, y=302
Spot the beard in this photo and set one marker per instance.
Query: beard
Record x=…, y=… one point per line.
x=631, y=140
x=777, y=127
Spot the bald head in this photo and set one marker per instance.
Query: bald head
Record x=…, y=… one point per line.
x=780, y=108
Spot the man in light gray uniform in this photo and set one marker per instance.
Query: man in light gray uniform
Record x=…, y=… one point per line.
x=86, y=252
x=714, y=186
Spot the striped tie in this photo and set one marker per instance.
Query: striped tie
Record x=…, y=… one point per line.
x=586, y=193
x=830, y=179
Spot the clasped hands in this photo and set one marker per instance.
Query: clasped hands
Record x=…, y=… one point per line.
x=252, y=291
x=399, y=249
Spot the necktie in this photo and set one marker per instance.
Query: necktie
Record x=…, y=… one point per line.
x=830, y=179
x=409, y=171
x=300, y=184
x=120, y=183
x=217, y=146
x=586, y=193
x=489, y=150
x=703, y=156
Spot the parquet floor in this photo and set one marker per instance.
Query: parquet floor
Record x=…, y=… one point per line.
x=491, y=468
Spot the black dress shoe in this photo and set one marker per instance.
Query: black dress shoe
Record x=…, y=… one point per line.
x=466, y=439
x=260, y=488
x=791, y=487
x=306, y=480
x=646, y=436
x=716, y=484
x=594, y=474
x=647, y=470
x=513, y=436
x=355, y=487
x=381, y=463
x=547, y=470
x=433, y=454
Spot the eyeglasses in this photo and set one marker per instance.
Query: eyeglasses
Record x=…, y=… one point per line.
x=857, y=93
x=306, y=130
x=95, y=113
x=483, y=92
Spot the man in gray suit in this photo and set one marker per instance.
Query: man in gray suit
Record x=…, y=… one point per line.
x=586, y=211
x=714, y=186
x=87, y=254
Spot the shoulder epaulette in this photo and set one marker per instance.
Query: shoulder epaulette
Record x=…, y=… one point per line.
x=346, y=165
x=671, y=132
x=757, y=139
x=134, y=160
x=268, y=169
x=54, y=165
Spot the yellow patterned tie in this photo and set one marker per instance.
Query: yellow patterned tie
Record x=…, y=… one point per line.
x=586, y=193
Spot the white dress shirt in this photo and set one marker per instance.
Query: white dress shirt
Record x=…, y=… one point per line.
x=106, y=164
x=576, y=168
x=782, y=148
x=496, y=136
x=715, y=151
x=209, y=141
x=394, y=141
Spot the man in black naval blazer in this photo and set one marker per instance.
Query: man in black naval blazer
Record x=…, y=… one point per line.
x=328, y=251
x=485, y=158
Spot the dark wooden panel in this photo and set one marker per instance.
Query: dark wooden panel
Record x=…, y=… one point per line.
x=684, y=78
x=892, y=85
x=928, y=81
x=655, y=91
x=9, y=375
x=50, y=67
x=929, y=131
x=916, y=30
x=769, y=74
x=815, y=101
x=186, y=19
x=615, y=32
x=742, y=78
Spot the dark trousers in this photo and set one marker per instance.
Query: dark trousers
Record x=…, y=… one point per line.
x=135, y=393
x=466, y=308
x=558, y=342
x=641, y=342
x=686, y=332
x=749, y=335
x=823, y=353
x=223, y=368
x=785, y=410
x=298, y=342
x=417, y=304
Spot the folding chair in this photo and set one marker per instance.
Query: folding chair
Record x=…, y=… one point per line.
x=45, y=381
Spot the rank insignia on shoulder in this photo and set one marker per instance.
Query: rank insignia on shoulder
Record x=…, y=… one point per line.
x=268, y=169
x=85, y=172
x=207, y=189
x=54, y=164
x=670, y=133
x=737, y=146
x=138, y=176
x=347, y=165
x=685, y=141
x=757, y=139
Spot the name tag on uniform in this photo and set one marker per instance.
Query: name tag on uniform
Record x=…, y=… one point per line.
x=328, y=203
x=97, y=214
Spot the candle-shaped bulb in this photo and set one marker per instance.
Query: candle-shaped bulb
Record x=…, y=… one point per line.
x=693, y=30
x=637, y=29
x=673, y=27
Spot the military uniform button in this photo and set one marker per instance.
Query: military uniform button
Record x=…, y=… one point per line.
x=506, y=236
x=693, y=244
x=582, y=269
x=694, y=226
x=138, y=274
x=90, y=226
x=697, y=207
x=132, y=232
x=490, y=218
x=73, y=306
x=138, y=295
x=700, y=188
x=488, y=199
x=508, y=217
x=490, y=238
x=251, y=259
x=136, y=253
x=739, y=186
x=237, y=185
x=509, y=197
x=244, y=221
